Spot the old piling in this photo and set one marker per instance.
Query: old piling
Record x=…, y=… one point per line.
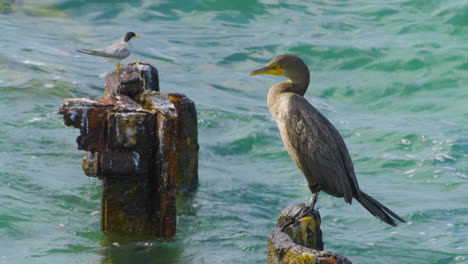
x=301, y=241
x=142, y=144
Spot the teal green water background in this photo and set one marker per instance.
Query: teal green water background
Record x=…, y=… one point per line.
x=392, y=75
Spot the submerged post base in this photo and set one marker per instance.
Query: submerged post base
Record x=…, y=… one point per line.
x=300, y=242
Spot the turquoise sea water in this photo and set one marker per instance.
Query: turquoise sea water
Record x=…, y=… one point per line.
x=391, y=75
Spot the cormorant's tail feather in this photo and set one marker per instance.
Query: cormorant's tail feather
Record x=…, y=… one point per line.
x=378, y=210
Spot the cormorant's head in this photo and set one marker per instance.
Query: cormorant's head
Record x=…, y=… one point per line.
x=129, y=36
x=288, y=65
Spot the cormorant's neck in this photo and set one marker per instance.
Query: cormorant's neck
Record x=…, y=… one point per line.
x=299, y=81
x=297, y=86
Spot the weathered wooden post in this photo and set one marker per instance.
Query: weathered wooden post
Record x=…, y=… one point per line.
x=301, y=241
x=142, y=144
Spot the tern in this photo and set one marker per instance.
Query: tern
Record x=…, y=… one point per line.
x=115, y=52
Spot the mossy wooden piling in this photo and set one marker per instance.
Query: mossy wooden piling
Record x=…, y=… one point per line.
x=142, y=144
x=301, y=241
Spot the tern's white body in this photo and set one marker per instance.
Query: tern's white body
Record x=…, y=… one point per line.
x=115, y=52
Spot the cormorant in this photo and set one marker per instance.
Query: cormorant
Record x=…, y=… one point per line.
x=312, y=141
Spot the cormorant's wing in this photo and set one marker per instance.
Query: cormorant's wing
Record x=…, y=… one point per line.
x=320, y=150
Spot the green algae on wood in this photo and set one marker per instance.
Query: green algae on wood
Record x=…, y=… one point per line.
x=90, y=164
x=283, y=250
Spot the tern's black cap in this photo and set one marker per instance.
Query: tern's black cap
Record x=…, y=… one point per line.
x=129, y=36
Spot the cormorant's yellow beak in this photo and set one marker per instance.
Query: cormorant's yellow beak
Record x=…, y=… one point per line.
x=136, y=36
x=274, y=69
